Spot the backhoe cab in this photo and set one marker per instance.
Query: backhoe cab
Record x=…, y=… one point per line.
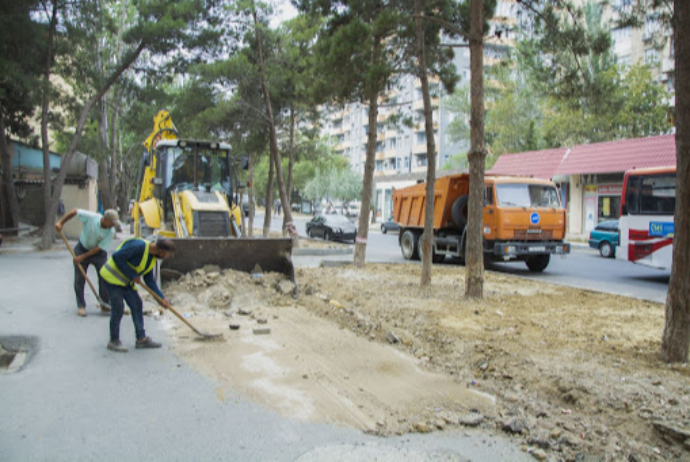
x=193, y=189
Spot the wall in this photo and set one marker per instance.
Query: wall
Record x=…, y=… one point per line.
x=78, y=197
x=31, y=208
x=575, y=206
x=30, y=197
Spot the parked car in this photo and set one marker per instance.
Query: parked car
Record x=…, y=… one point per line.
x=604, y=237
x=331, y=228
x=389, y=225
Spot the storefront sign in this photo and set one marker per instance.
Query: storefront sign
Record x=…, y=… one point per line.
x=611, y=189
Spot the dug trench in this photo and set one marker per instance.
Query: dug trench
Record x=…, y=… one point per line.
x=567, y=372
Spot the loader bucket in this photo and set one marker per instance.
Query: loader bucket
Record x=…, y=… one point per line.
x=242, y=254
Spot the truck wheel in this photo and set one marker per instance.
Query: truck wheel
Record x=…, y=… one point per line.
x=538, y=263
x=458, y=212
x=408, y=245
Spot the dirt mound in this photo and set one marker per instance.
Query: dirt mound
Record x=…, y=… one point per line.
x=568, y=372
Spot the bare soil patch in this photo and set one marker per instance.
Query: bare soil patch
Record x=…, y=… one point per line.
x=568, y=372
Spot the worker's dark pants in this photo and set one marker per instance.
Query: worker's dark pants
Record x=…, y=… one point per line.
x=98, y=261
x=119, y=295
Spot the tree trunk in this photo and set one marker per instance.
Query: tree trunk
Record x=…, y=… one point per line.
x=674, y=345
x=288, y=224
x=291, y=153
x=363, y=225
x=250, y=198
x=428, y=236
x=104, y=185
x=474, y=255
x=269, y=198
x=10, y=204
x=47, y=240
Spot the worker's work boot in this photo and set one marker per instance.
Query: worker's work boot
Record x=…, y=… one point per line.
x=81, y=311
x=146, y=342
x=116, y=345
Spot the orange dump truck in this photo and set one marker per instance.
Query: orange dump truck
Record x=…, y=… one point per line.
x=523, y=219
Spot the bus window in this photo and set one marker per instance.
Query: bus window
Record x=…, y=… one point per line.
x=658, y=195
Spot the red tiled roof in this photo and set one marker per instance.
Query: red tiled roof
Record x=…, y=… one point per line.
x=607, y=157
x=537, y=164
x=619, y=156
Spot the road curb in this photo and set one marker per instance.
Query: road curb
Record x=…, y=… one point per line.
x=297, y=252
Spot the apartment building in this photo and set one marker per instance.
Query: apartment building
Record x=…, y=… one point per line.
x=401, y=149
x=651, y=44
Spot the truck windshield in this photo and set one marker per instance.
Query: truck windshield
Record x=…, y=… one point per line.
x=526, y=195
x=212, y=169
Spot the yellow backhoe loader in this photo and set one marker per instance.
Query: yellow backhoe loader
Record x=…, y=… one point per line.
x=188, y=191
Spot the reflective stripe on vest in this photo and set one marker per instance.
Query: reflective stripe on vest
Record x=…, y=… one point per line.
x=112, y=274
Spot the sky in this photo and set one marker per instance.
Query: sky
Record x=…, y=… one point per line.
x=284, y=11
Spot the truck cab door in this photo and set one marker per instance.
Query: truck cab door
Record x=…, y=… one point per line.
x=489, y=216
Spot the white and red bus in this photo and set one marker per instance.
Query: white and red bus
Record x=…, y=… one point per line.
x=646, y=224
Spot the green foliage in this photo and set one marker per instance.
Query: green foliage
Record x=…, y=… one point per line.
x=646, y=106
x=312, y=156
x=334, y=184
x=20, y=58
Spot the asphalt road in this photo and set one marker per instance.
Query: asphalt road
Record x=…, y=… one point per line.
x=583, y=268
x=73, y=400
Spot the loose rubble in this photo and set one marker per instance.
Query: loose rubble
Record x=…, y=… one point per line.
x=574, y=374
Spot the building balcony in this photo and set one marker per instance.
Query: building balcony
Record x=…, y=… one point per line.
x=419, y=148
x=390, y=134
x=668, y=64
x=390, y=154
x=419, y=104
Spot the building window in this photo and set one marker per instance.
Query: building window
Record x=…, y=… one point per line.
x=619, y=5
x=393, y=143
x=651, y=26
x=421, y=137
x=651, y=56
x=379, y=165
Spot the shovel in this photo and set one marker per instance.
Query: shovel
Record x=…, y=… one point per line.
x=104, y=307
x=205, y=335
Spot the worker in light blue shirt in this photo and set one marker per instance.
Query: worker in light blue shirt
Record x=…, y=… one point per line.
x=96, y=235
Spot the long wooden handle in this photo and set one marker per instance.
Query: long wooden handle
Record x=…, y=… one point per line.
x=93, y=289
x=175, y=312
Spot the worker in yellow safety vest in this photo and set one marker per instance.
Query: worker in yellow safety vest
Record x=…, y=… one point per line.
x=133, y=259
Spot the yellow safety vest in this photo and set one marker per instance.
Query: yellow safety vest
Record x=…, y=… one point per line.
x=112, y=274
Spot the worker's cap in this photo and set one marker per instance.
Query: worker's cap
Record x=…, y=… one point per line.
x=111, y=214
